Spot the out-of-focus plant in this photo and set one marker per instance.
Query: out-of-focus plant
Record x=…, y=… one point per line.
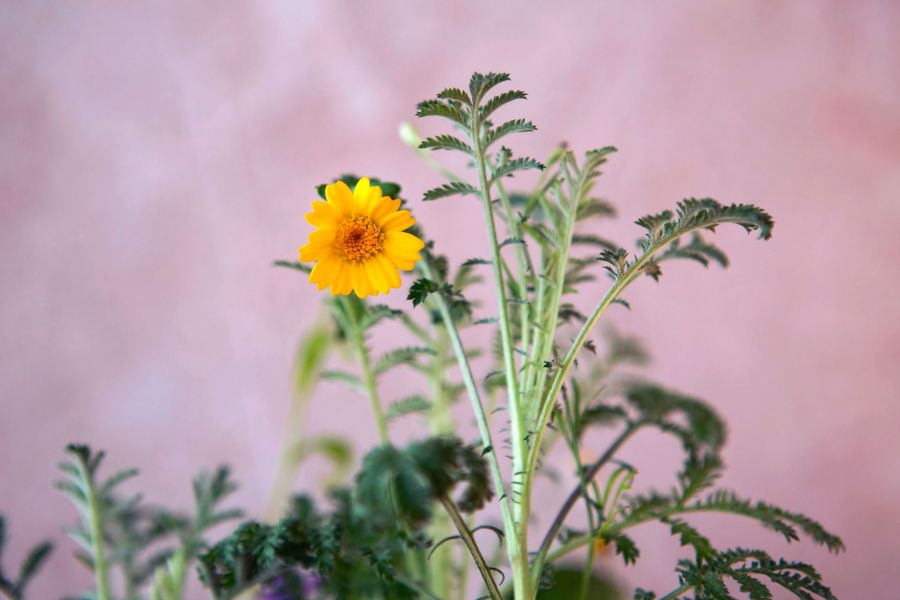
x=411, y=522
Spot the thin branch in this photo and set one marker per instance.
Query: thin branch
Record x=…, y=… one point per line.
x=578, y=492
x=474, y=550
x=475, y=398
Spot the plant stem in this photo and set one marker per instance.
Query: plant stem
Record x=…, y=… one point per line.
x=474, y=550
x=359, y=341
x=95, y=522
x=9, y=590
x=518, y=542
x=477, y=407
x=576, y=493
x=673, y=595
x=549, y=399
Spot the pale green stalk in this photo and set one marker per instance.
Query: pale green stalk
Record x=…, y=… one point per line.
x=441, y=422
x=95, y=522
x=517, y=543
x=475, y=398
x=359, y=342
x=540, y=556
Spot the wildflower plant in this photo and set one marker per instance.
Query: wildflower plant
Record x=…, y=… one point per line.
x=425, y=519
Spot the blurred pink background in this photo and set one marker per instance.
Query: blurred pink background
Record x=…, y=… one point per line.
x=155, y=158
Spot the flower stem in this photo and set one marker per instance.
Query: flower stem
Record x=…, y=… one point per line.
x=470, y=543
x=359, y=342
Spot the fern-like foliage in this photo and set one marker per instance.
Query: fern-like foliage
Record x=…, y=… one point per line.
x=752, y=570
x=14, y=587
x=470, y=112
x=402, y=485
x=357, y=548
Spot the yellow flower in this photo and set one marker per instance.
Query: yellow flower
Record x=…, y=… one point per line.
x=359, y=243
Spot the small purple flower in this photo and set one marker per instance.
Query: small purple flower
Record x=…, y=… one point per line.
x=292, y=585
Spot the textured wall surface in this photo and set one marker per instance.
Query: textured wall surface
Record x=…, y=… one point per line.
x=154, y=157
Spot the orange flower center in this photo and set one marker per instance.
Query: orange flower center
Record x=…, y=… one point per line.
x=358, y=239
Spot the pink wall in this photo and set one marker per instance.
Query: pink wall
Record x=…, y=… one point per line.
x=154, y=159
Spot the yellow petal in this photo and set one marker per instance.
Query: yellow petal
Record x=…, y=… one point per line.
x=361, y=194
x=403, y=244
x=340, y=282
x=310, y=252
x=398, y=221
x=382, y=208
x=388, y=270
x=379, y=281
x=401, y=262
x=361, y=285
x=322, y=273
x=340, y=197
x=322, y=215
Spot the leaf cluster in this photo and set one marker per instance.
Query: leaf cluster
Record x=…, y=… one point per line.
x=357, y=547
x=142, y=541
x=470, y=112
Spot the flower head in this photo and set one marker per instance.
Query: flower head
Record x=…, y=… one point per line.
x=359, y=243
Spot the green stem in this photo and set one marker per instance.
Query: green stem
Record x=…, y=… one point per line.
x=523, y=260
x=470, y=543
x=673, y=595
x=549, y=400
x=95, y=522
x=358, y=339
x=517, y=543
x=477, y=407
x=440, y=567
x=576, y=493
x=9, y=590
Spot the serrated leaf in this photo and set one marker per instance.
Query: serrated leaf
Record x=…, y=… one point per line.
x=512, y=240
x=455, y=94
x=480, y=84
x=420, y=290
x=445, y=142
x=344, y=377
x=398, y=357
x=594, y=207
x=450, y=189
x=33, y=562
x=416, y=403
x=499, y=100
x=116, y=479
x=436, y=108
x=292, y=264
x=504, y=129
x=507, y=168
x=476, y=261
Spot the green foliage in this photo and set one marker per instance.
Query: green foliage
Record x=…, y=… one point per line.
x=121, y=532
x=358, y=547
x=371, y=541
x=415, y=403
x=453, y=188
x=512, y=126
x=14, y=588
x=703, y=429
x=747, y=568
x=446, y=142
x=404, y=484
x=625, y=547
x=421, y=289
